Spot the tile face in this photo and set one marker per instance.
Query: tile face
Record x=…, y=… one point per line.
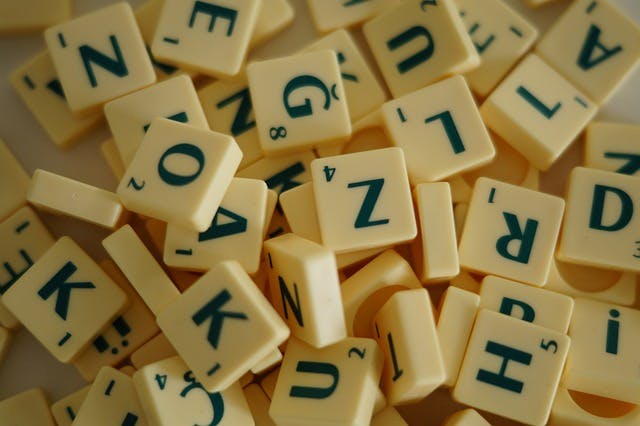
x=281, y=173
x=440, y=131
x=501, y=37
x=363, y=200
x=510, y=232
x=512, y=368
x=334, y=385
x=435, y=251
x=413, y=361
x=299, y=102
x=27, y=408
x=537, y=111
x=535, y=305
x=130, y=116
x=418, y=43
x=594, y=45
x=190, y=167
x=228, y=107
x=24, y=240
x=388, y=417
x=65, y=300
x=363, y=91
x=14, y=182
x=42, y=14
x=457, y=310
x=111, y=400
x=171, y=395
x=61, y=195
x=600, y=213
x=109, y=151
x=65, y=410
x=305, y=289
x=209, y=36
x=39, y=88
x=274, y=17
x=566, y=410
x=335, y=14
x=468, y=417
x=604, y=351
x=222, y=326
x=126, y=333
x=613, y=147
x=99, y=56
x=235, y=233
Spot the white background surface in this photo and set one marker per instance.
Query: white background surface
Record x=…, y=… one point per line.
x=28, y=364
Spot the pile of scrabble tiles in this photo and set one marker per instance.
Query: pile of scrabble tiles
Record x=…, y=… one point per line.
x=352, y=234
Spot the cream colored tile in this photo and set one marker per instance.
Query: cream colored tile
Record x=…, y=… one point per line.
x=467, y=281
x=468, y=417
x=273, y=18
x=191, y=167
x=613, y=147
x=366, y=140
x=32, y=15
x=27, y=408
x=62, y=195
x=418, y=43
x=460, y=211
x=595, y=45
x=156, y=349
x=272, y=360
x=575, y=409
x=388, y=417
x=99, y=56
x=65, y=300
x=14, y=182
x=111, y=155
x=537, y=111
x=510, y=232
x=512, y=368
x=294, y=123
x=65, y=410
x=600, y=213
x=336, y=14
x=39, y=88
x=345, y=393
x=259, y=403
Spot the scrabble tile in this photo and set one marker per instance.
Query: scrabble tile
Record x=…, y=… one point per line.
x=140, y=268
x=99, y=56
x=366, y=291
x=435, y=251
x=604, y=285
x=600, y=213
x=235, y=233
x=259, y=403
x=111, y=155
x=112, y=399
x=230, y=348
x=361, y=88
x=535, y=305
x=537, y=111
x=281, y=173
x=189, y=166
x=444, y=115
x=272, y=205
x=297, y=123
x=460, y=211
x=413, y=365
x=14, y=182
x=604, y=352
x=41, y=14
x=363, y=200
x=538, y=3
x=228, y=107
x=270, y=361
x=5, y=340
x=367, y=140
x=211, y=37
x=65, y=410
x=126, y=333
x=27, y=408
x=468, y=417
x=457, y=310
x=171, y=395
x=388, y=417
x=568, y=409
x=510, y=232
x=335, y=14
x=418, y=43
x=268, y=382
x=37, y=84
x=156, y=349
x=63, y=320
x=501, y=37
x=342, y=391
x=273, y=18
x=512, y=368
x=305, y=289
x=62, y=195
x=614, y=147
x=595, y=45
x=130, y=116
x=24, y=240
